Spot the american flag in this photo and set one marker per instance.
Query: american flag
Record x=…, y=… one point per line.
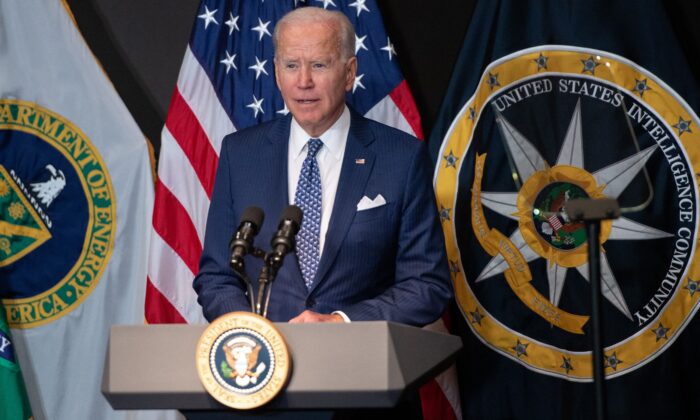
x=227, y=83
x=554, y=222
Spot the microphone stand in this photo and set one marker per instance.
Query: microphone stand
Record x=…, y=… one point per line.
x=267, y=276
x=592, y=212
x=273, y=262
x=239, y=269
x=283, y=242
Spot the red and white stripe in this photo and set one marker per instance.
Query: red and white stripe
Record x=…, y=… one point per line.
x=554, y=221
x=398, y=110
x=440, y=396
x=190, y=144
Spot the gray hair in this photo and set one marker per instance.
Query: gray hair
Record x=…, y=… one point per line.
x=309, y=14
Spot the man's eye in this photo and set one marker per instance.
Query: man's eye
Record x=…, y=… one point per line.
x=319, y=66
x=290, y=66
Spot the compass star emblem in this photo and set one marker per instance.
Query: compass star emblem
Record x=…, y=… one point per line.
x=531, y=148
x=539, y=208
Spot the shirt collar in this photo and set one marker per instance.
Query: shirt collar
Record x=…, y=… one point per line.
x=334, y=139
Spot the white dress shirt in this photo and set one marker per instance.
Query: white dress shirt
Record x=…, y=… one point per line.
x=329, y=158
x=330, y=161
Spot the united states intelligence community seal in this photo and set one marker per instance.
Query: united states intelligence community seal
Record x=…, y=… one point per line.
x=57, y=214
x=242, y=360
x=551, y=124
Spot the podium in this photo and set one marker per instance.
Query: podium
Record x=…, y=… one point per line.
x=334, y=366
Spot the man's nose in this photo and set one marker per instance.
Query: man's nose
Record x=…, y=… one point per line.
x=306, y=80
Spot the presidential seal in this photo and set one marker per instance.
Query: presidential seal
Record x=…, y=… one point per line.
x=547, y=125
x=242, y=360
x=57, y=214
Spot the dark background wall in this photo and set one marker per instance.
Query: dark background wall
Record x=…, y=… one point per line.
x=140, y=43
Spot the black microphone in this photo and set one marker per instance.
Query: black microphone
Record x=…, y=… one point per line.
x=241, y=244
x=284, y=240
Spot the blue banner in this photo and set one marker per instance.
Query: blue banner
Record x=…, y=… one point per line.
x=552, y=101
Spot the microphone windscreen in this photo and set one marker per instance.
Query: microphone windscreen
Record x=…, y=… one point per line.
x=292, y=213
x=253, y=215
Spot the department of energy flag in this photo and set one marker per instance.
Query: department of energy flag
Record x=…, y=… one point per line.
x=76, y=194
x=14, y=403
x=552, y=101
x=227, y=83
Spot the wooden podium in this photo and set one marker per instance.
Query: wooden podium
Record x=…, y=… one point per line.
x=335, y=366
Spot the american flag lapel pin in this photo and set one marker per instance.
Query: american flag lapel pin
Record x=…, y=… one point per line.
x=359, y=161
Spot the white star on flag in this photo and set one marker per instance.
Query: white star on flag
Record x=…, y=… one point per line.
x=261, y=29
x=326, y=3
x=358, y=82
x=259, y=67
x=228, y=62
x=360, y=43
x=256, y=106
x=389, y=48
x=360, y=6
x=284, y=111
x=208, y=17
x=232, y=24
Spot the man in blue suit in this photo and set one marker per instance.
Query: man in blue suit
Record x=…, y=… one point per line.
x=370, y=246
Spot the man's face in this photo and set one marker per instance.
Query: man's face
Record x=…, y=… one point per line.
x=311, y=75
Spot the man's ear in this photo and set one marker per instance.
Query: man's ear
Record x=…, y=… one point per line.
x=351, y=68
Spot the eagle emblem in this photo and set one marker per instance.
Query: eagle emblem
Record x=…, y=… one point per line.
x=242, y=360
x=47, y=191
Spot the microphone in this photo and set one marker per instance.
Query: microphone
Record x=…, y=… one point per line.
x=284, y=240
x=587, y=210
x=282, y=243
x=242, y=243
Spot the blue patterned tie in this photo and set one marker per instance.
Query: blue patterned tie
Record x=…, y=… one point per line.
x=308, y=198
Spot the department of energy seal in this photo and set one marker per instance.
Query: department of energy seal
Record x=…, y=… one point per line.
x=242, y=360
x=57, y=214
x=547, y=125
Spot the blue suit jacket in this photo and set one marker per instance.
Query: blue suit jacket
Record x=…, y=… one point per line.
x=386, y=263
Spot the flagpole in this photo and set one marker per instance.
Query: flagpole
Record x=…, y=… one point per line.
x=593, y=233
x=592, y=212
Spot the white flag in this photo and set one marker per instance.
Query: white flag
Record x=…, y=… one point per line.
x=76, y=196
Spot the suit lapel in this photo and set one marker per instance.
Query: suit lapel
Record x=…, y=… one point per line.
x=277, y=192
x=357, y=167
x=276, y=152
